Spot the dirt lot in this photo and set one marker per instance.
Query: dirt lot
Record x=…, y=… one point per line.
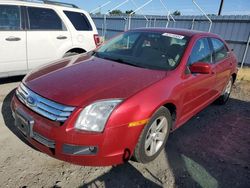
x=211, y=150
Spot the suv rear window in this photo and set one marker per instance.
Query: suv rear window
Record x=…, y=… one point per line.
x=44, y=19
x=79, y=21
x=10, y=18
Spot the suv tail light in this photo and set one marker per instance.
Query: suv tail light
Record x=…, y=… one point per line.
x=97, y=40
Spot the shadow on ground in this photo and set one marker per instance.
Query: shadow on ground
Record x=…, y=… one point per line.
x=9, y=120
x=122, y=176
x=11, y=79
x=211, y=150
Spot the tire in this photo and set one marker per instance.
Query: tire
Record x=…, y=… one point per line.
x=226, y=93
x=154, y=135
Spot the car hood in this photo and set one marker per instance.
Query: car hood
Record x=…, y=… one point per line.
x=84, y=79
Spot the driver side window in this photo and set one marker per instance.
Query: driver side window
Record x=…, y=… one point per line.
x=201, y=52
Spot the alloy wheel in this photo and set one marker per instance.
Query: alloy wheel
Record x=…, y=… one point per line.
x=156, y=135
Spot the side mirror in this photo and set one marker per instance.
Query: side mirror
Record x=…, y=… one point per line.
x=200, y=67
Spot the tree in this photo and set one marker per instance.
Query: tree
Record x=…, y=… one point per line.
x=177, y=13
x=116, y=12
x=212, y=15
x=98, y=13
x=128, y=11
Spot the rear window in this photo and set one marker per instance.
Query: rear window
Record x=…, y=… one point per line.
x=10, y=18
x=44, y=19
x=220, y=50
x=79, y=21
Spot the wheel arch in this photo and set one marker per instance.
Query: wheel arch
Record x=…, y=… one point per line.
x=76, y=50
x=172, y=109
x=234, y=75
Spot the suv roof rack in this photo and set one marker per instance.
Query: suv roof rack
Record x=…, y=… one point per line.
x=53, y=3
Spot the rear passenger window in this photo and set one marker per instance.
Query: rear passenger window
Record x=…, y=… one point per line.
x=201, y=52
x=44, y=19
x=220, y=50
x=79, y=21
x=10, y=18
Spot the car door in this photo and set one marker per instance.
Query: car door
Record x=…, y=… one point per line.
x=198, y=89
x=47, y=36
x=12, y=41
x=223, y=63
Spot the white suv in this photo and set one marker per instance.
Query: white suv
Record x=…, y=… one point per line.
x=36, y=33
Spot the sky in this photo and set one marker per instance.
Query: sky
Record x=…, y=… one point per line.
x=186, y=7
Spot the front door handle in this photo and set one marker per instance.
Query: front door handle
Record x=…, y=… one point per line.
x=13, y=39
x=61, y=37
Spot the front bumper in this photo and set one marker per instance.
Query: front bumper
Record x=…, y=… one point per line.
x=114, y=146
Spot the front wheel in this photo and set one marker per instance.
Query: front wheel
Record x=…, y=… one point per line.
x=153, y=136
x=226, y=93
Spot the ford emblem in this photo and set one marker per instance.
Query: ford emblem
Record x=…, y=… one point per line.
x=31, y=101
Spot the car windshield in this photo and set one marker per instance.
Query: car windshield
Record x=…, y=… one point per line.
x=151, y=50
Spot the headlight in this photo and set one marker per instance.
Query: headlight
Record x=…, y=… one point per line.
x=95, y=116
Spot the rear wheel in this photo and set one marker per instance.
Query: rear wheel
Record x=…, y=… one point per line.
x=226, y=93
x=153, y=136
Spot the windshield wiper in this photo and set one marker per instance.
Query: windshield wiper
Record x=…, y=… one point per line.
x=118, y=60
x=127, y=63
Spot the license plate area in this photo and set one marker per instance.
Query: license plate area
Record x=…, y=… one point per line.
x=24, y=123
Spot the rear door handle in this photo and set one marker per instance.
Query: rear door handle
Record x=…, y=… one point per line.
x=13, y=39
x=61, y=37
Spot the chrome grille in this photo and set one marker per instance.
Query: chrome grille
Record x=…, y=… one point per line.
x=47, y=108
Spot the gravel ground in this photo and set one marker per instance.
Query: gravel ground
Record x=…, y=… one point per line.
x=211, y=150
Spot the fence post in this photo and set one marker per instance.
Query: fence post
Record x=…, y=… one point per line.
x=168, y=19
x=245, y=53
x=192, y=26
x=104, y=27
x=125, y=23
x=129, y=21
x=210, y=21
x=154, y=22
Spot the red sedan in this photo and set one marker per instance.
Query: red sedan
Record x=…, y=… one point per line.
x=123, y=99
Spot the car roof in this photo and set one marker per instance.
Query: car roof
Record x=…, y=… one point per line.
x=185, y=32
x=39, y=4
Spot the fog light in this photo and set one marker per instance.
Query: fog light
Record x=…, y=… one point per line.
x=79, y=150
x=92, y=149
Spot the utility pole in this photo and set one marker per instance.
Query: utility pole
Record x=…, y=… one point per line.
x=221, y=6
